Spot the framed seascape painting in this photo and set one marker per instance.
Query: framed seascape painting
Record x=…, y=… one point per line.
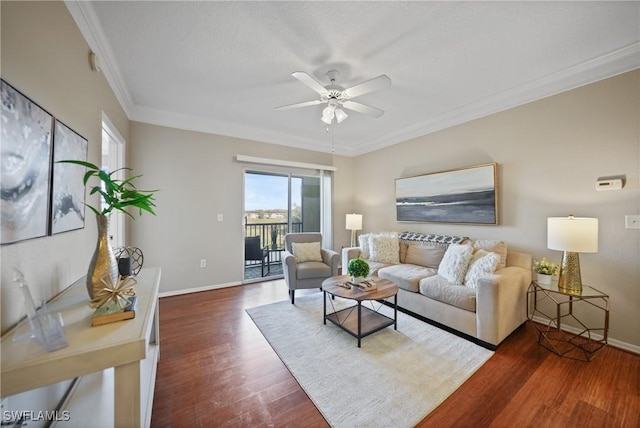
x=67, y=210
x=467, y=195
x=25, y=167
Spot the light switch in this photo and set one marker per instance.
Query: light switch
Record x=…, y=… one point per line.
x=632, y=222
x=220, y=217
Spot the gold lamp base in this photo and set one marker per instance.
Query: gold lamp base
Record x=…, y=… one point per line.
x=569, y=280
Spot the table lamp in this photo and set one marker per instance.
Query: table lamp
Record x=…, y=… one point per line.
x=354, y=222
x=572, y=235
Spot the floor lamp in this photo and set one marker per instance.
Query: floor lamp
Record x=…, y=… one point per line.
x=572, y=235
x=354, y=222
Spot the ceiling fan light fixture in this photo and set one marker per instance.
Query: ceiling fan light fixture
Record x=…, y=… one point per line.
x=340, y=115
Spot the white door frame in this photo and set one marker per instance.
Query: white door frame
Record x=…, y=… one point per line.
x=113, y=141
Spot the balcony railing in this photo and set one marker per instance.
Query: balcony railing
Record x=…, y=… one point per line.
x=271, y=236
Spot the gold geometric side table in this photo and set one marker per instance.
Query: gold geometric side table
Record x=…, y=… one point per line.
x=551, y=307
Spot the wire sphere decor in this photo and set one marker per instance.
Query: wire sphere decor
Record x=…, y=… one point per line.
x=135, y=256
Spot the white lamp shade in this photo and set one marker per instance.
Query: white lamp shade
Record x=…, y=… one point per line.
x=574, y=234
x=354, y=221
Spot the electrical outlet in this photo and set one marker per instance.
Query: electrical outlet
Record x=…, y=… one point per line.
x=220, y=217
x=203, y=263
x=632, y=221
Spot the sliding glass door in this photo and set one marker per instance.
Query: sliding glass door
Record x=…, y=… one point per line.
x=274, y=205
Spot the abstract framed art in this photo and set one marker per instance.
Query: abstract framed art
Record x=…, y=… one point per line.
x=466, y=195
x=25, y=167
x=67, y=209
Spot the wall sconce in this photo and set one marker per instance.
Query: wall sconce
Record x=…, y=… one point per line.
x=572, y=235
x=354, y=222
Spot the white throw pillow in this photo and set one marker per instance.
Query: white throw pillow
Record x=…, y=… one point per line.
x=365, y=245
x=498, y=247
x=385, y=248
x=482, y=263
x=455, y=262
x=306, y=251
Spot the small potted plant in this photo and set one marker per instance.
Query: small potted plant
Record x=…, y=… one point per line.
x=544, y=270
x=358, y=269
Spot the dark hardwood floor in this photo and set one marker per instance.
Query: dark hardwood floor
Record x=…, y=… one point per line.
x=216, y=369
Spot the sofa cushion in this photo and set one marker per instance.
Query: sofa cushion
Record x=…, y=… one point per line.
x=481, y=263
x=306, y=251
x=424, y=256
x=406, y=276
x=455, y=262
x=498, y=247
x=438, y=288
x=385, y=248
x=374, y=267
x=308, y=270
x=403, y=251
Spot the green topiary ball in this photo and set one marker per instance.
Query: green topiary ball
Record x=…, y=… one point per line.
x=358, y=267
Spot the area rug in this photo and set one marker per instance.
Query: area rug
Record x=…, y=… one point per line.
x=394, y=380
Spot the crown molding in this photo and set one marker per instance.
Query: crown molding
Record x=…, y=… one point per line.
x=608, y=65
x=85, y=17
x=599, y=68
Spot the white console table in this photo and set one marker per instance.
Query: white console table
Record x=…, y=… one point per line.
x=124, y=353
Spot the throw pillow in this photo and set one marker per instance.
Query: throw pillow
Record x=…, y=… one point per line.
x=306, y=252
x=455, y=262
x=364, y=242
x=482, y=263
x=385, y=248
x=424, y=256
x=498, y=247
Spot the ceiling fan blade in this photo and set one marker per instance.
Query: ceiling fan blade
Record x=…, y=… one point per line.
x=362, y=108
x=298, y=105
x=310, y=82
x=368, y=86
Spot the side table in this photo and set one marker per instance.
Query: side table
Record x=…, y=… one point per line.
x=542, y=299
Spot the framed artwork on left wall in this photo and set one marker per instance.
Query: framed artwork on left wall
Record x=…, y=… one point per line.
x=25, y=167
x=67, y=209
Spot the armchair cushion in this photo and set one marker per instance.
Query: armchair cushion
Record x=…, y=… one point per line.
x=312, y=269
x=306, y=251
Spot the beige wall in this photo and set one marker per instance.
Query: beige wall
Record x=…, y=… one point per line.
x=45, y=56
x=199, y=177
x=550, y=153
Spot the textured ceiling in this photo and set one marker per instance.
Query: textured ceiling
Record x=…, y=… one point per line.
x=222, y=67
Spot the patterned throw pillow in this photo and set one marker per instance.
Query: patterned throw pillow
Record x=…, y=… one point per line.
x=482, y=263
x=385, y=248
x=306, y=252
x=455, y=262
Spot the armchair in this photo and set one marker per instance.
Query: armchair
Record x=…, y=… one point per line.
x=306, y=274
x=253, y=252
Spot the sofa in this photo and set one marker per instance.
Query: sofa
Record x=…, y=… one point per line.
x=476, y=288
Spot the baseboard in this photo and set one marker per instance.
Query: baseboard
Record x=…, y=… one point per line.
x=198, y=289
x=610, y=342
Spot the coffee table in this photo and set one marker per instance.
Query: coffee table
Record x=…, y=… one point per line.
x=358, y=320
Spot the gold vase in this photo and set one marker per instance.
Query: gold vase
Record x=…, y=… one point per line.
x=103, y=263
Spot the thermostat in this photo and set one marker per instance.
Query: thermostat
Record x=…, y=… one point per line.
x=614, y=184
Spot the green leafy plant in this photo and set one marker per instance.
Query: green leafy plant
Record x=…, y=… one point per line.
x=545, y=267
x=358, y=267
x=117, y=194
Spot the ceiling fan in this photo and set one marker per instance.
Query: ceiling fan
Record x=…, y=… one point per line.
x=336, y=97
